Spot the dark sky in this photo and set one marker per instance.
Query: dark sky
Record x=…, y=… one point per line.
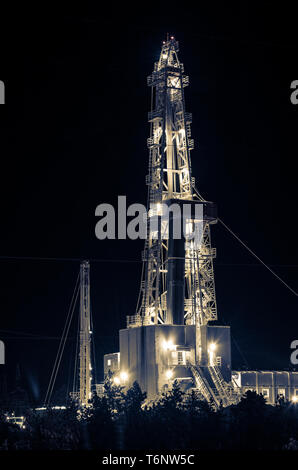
x=73, y=135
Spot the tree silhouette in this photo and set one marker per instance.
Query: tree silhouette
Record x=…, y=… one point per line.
x=122, y=419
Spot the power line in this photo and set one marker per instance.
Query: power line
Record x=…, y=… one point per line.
x=248, y=249
x=54, y=338
x=257, y=257
x=63, y=340
x=123, y=260
x=62, y=343
x=236, y=344
x=21, y=338
x=76, y=260
x=20, y=333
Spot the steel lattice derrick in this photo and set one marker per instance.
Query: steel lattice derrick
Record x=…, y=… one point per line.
x=85, y=335
x=200, y=298
x=170, y=179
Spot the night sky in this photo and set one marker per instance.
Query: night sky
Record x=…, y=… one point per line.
x=73, y=135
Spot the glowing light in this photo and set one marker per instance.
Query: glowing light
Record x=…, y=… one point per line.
x=164, y=56
x=211, y=353
x=168, y=345
x=294, y=399
x=152, y=311
x=18, y=420
x=116, y=381
x=189, y=228
x=124, y=376
x=155, y=209
x=169, y=374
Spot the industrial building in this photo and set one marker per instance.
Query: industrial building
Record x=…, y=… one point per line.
x=271, y=384
x=172, y=335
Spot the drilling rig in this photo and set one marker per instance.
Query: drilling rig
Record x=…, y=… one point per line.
x=170, y=337
x=82, y=383
x=82, y=380
x=85, y=368
x=174, y=334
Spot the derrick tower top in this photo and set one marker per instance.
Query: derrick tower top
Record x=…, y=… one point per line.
x=170, y=134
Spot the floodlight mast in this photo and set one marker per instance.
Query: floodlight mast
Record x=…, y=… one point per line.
x=178, y=278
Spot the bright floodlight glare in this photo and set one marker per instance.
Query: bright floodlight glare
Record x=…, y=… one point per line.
x=168, y=345
x=124, y=376
x=212, y=346
x=159, y=208
x=169, y=374
x=116, y=380
x=294, y=399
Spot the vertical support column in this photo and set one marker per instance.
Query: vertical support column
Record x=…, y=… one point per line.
x=274, y=394
x=85, y=335
x=289, y=386
x=201, y=346
x=176, y=275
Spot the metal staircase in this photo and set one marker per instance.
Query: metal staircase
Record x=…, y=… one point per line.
x=224, y=390
x=215, y=390
x=203, y=386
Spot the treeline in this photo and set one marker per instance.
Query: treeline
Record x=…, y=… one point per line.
x=122, y=420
